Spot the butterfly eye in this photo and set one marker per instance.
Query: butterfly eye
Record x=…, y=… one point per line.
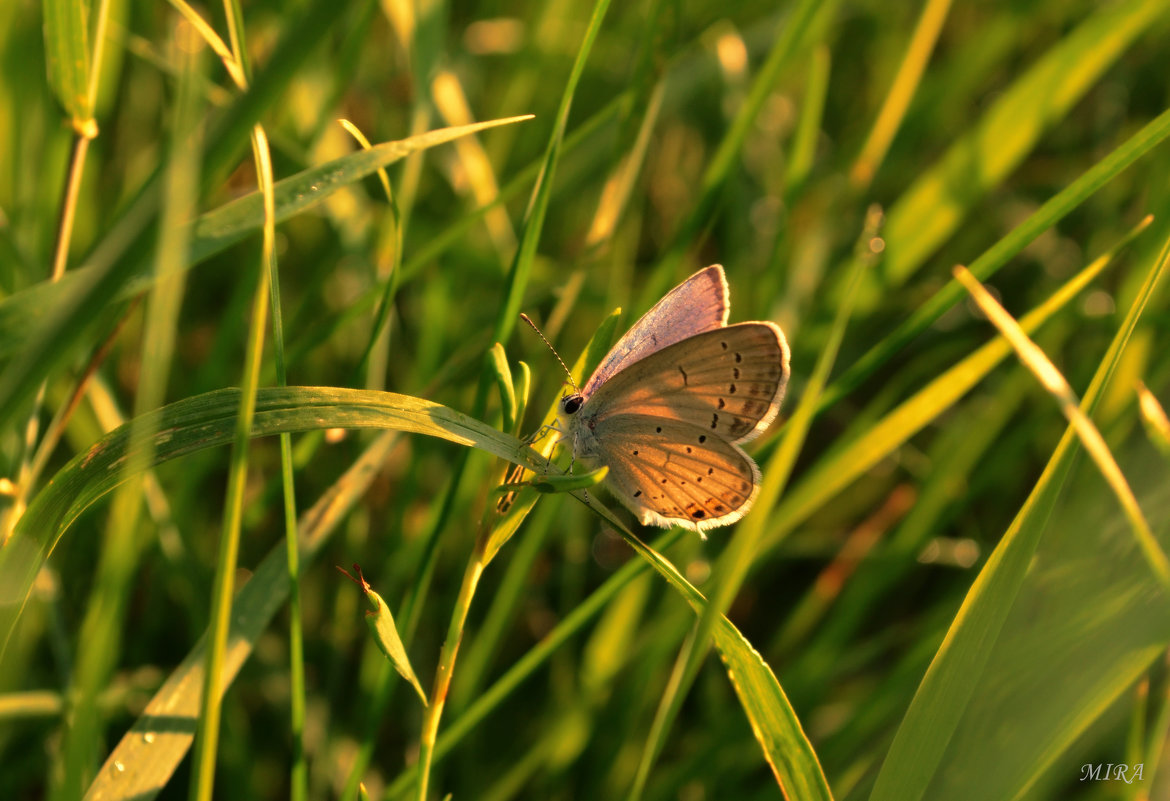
x=571, y=403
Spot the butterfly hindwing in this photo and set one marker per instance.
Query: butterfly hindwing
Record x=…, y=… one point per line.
x=669, y=471
x=728, y=381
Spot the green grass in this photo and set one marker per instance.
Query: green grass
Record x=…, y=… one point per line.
x=937, y=595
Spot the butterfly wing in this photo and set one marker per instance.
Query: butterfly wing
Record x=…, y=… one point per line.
x=728, y=382
x=669, y=472
x=698, y=304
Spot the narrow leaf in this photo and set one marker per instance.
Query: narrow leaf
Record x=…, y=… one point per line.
x=39, y=326
x=930, y=211
x=67, y=50
x=381, y=623
x=146, y=757
x=943, y=696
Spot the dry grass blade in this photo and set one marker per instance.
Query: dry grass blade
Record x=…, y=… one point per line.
x=1042, y=367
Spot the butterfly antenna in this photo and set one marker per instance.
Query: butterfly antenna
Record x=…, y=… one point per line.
x=544, y=339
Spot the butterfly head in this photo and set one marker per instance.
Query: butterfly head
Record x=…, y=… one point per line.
x=571, y=404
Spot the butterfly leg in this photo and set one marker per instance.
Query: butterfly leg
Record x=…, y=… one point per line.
x=532, y=438
x=535, y=436
x=573, y=455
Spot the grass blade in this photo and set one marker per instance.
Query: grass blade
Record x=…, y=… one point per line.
x=1044, y=370
x=836, y=471
x=926, y=215
x=67, y=49
x=146, y=757
x=207, y=420
x=38, y=325
x=939, y=704
x=999, y=254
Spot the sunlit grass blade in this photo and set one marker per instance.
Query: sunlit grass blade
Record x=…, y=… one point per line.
x=217, y=229
x=774, y=723
x=893, y=110
x=793, y=28
x=389, y=271
x=38, y=324
x=738, y=557
x=1052, y=380
x=67, y=48
x=208, y=420
x=999, y=254
x=146, y=757
x=503, y=375
x=101, y=640
x=213, y=40
x=1155, y=419
x=945, y=691
x=207, y=735
x=381, y=625
x=926, y=215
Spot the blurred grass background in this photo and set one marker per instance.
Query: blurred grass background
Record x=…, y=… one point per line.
x=754, y=135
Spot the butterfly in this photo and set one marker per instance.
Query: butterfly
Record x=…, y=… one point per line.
x=669, y=405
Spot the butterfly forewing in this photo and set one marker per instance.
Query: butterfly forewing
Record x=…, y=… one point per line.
x=728, y=382
x=698, y=304
x=670, y=471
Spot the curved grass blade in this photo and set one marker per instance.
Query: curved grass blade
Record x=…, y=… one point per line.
x=142, y=763
x=1154, y=418
x=835, y=472
x=773, y=720
x=942, y=698
x=930, y=211
x=995, y=257
x=1034, y=358
x=208, y=420
x=39, y=325
x=231, y=222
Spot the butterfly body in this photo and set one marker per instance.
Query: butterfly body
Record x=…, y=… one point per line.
x=668, y=406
